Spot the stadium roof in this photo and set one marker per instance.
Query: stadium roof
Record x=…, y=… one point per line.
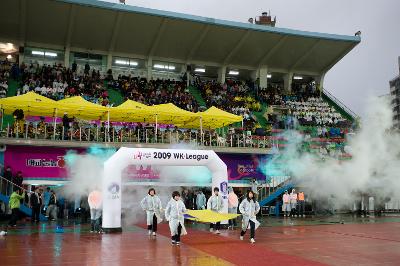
x=123, y=30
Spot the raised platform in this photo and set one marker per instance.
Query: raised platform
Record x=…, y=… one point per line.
x=87, y=144
x=310, y=241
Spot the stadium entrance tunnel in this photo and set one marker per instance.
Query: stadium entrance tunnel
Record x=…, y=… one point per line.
x=124, y=157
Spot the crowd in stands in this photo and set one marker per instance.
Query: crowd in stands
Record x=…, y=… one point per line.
x=314, y=112
x=232, y=96
x=5, y=69
x=153, y=92
x=57, y=82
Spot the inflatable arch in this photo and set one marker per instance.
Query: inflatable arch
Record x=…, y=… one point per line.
x=114, y=166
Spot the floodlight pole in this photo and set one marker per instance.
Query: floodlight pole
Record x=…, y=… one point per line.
x=55, y=124
x=201, y=130
x=108, y=124
x=156, y=128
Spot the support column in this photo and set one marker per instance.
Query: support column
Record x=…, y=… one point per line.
x=319, y=82
x=221, y=74
x=287, y=82
x=149, y=68
x=263, y=76
x=109, y=61
x=66, y=57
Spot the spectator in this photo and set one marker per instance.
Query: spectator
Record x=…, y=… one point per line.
x=46, y=197
x=52, y=209
x=14, y=203
x=233, y=202
x=35, y=203
x=18, y=179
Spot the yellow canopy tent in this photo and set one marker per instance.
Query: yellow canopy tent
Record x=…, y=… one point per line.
x=31, y=103
x=208, y=216
x=130, y=111
x=212, y=118
x=80, y=108
x=170, y=113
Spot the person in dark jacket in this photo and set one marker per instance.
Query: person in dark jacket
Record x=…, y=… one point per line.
x=35, y=203
x=53, y=206
x=65, y=122
x=6, y=183
x=18, y=179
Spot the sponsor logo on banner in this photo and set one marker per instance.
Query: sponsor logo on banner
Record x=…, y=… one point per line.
x=139, y=155
x=114, y=189
x=59, y=162
x=245, y=169
x=223, y=187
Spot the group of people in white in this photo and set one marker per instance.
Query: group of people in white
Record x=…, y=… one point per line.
x=314, y=110
x=293, y=204
x=175, y=211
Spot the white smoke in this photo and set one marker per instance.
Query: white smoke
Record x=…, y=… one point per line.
x=373, y=169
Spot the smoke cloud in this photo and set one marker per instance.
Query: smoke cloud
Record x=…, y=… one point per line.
x=374, y=168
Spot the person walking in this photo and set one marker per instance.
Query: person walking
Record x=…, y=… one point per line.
x=249, y=208
x=174, y=214
x=151, y=204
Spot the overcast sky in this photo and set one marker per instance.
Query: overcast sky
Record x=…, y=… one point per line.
x=365, y=71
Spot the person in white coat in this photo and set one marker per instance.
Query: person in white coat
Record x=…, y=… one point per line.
x=233, y=202
x=215, y=203
x=201, y=200
x=95, y=204
x=249, y=208
x=151, y=204
x=286, y=204
x=174, y=214
x=293, y=203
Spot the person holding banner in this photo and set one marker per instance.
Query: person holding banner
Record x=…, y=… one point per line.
x=249, y=208
x=174, y=213
x=151, y=204
x=201, y=200
x=215, y=203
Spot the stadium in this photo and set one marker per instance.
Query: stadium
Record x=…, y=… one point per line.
x=109, y=109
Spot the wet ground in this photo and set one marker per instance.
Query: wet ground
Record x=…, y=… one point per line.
x=335, y=240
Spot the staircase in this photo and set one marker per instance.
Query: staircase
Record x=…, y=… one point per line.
x=271, y=198
x=260, y=116
x=345, y=111
x=113, y=95
x=197, y=95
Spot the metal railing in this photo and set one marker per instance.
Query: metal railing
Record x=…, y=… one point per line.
x=340, y=104
x=87, y=133
x=132, y=135
x=7, y=187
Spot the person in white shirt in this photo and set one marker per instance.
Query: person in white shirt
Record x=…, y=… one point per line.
x=25, y=88
x=286, y=204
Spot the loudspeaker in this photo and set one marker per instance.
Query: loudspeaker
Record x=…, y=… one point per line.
x=21, y=49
